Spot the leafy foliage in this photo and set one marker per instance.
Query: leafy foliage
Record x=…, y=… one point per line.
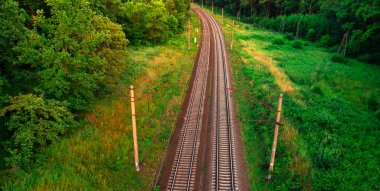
x=153, y=22
x=12, y=29
x=34, y=122
x=77, y=52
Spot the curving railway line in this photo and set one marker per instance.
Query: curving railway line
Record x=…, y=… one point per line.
x=206, y=152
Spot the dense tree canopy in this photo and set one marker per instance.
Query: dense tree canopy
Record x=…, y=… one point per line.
x=330, y=19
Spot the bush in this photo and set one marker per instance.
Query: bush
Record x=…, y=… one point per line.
x=338, y=59
x=289, y=36
x=326, y=41
x=278, y=41
x=34, y=122
x=311, y=35
x=297, y=44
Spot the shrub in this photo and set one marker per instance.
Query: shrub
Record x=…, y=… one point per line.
x=278, y=41
x=34, y=122
x=338, y=59
x=289, y=36
x=311, y=35
x=326, y=41
x=297, y=44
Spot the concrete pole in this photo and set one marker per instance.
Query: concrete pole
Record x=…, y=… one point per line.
x=222, y=14
x=232, y=34
x=278, y=117
x=188, y=35
x=133, y=112
x=345, y=44
x=212, y=6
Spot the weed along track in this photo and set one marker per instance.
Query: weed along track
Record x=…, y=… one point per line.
x=204, y=152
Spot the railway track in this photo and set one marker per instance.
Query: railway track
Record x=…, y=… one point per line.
x=185, y=163
x=221, y=156
x=224, y=171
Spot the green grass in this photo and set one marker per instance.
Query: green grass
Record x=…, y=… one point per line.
x=98, y=155
x=329, y=140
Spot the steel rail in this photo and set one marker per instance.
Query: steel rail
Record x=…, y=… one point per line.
x=188, y=116
x=227, y=104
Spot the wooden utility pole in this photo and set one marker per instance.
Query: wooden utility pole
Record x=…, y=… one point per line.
x=188, y=35
x=212, y=6
x=232, y=34
x=133, y=112
x=282, y=26
x=298, y=27
x=278, y=117
x=202, y=3
x=344, y=41
x=222, y=14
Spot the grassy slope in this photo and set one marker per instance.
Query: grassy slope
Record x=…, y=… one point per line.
x=329, y=140
x=99, y=156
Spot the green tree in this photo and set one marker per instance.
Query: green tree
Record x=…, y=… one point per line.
x=154, y=21
x=73, y=52
x=113, y=9
x=13, y=30
x=157, y=22
x=34, y=122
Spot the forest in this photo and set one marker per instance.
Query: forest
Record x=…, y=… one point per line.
x=324, y=21
x=58, y=56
